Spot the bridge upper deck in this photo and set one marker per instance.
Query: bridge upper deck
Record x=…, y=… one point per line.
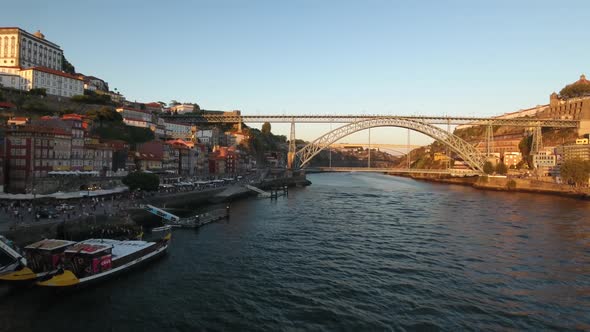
x=440, y=120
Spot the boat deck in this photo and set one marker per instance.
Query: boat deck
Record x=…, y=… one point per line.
x=119, y=248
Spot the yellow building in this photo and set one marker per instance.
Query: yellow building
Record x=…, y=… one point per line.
x=439, y=156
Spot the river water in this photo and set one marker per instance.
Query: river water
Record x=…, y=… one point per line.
x=354, y=252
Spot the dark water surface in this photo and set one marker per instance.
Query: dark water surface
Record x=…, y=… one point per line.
x=351, y=252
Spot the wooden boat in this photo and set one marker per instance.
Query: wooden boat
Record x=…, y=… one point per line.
x=42, y=258
x=93, y=260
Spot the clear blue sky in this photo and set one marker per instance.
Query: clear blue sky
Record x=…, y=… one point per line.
x=477, y=58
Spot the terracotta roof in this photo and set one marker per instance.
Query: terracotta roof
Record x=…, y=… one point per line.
x=6, y=104
x=134, y=119
x=73, y=116
x=154, y=104
x=54, y=72
x=41, y=129
x=178, y=142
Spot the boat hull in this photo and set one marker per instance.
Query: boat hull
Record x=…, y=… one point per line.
x=24, y=276
x=67, y=279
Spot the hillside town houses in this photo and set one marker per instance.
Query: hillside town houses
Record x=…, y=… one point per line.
x=63, y=147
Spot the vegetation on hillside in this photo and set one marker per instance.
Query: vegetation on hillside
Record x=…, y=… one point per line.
x=66, y=66
x=575, y=90
x=142, y=181
x=260, y=142
x=108, y=124
x=91, y=97
x=575, y=172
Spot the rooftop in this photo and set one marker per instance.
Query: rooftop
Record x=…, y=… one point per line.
x=49, y=244
x=54, y=72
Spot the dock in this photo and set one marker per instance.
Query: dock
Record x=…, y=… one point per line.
x=201, y=219
x=273, y=193
x=189, y=222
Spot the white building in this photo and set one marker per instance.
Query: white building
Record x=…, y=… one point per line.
x=10, y=80
x=21, y=49
x=94, y=83
x=544, y=159
x=208, y=137
x=179, y=130
x=136, y=117
x=53, y=81
x=182, y=108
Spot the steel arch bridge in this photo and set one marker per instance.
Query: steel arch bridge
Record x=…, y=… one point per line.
x=469, y=153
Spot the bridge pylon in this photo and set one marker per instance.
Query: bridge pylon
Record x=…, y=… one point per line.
x=292, y=147
x=537, y=144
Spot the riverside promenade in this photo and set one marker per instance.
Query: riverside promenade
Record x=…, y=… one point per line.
x=29, y=220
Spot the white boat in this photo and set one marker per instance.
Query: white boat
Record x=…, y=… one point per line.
x=97, y=259
x=42, y=258
x=10, y=259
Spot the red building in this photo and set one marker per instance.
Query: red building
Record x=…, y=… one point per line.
x=32, y=152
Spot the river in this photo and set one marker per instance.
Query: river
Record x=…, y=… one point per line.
x=354, y=252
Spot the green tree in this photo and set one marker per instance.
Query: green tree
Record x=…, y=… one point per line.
x=575, y=90
x=525, y=149
x=266, y=128
x=501, y=168
x=173, y=103
x=196, y=108
x=576, y=172
x=105, y=115
x=488, y=167
x=141, y=180
x=67, y=66
x=38, y=92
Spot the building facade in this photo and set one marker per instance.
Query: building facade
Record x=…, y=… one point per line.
x=136, y=117
x=19, y=48
x=179, y=130
x=53, y=81
x=11, y=81
x=32, y=152
x=574, y=151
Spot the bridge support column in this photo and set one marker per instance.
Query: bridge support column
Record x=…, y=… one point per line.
x=369, y=164
x=292, y=147
x=409, y=153
x=537, y=144
x=489, y=140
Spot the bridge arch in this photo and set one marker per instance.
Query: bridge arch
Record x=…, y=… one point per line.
x=470, y=155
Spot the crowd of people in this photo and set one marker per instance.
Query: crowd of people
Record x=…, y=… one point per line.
x=19, y=212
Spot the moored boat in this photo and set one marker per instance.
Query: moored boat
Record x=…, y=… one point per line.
x=10, y=259
x=42, y=258
x=97, y=259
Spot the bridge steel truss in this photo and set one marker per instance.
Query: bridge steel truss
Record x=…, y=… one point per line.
x=469, y=153
x=447, y=120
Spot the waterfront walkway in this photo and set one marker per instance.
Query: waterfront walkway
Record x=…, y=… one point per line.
x=22, y=213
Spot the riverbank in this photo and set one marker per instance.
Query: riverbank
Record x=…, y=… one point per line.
x=110, y=223
x=505, y=184
x=201, y=199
